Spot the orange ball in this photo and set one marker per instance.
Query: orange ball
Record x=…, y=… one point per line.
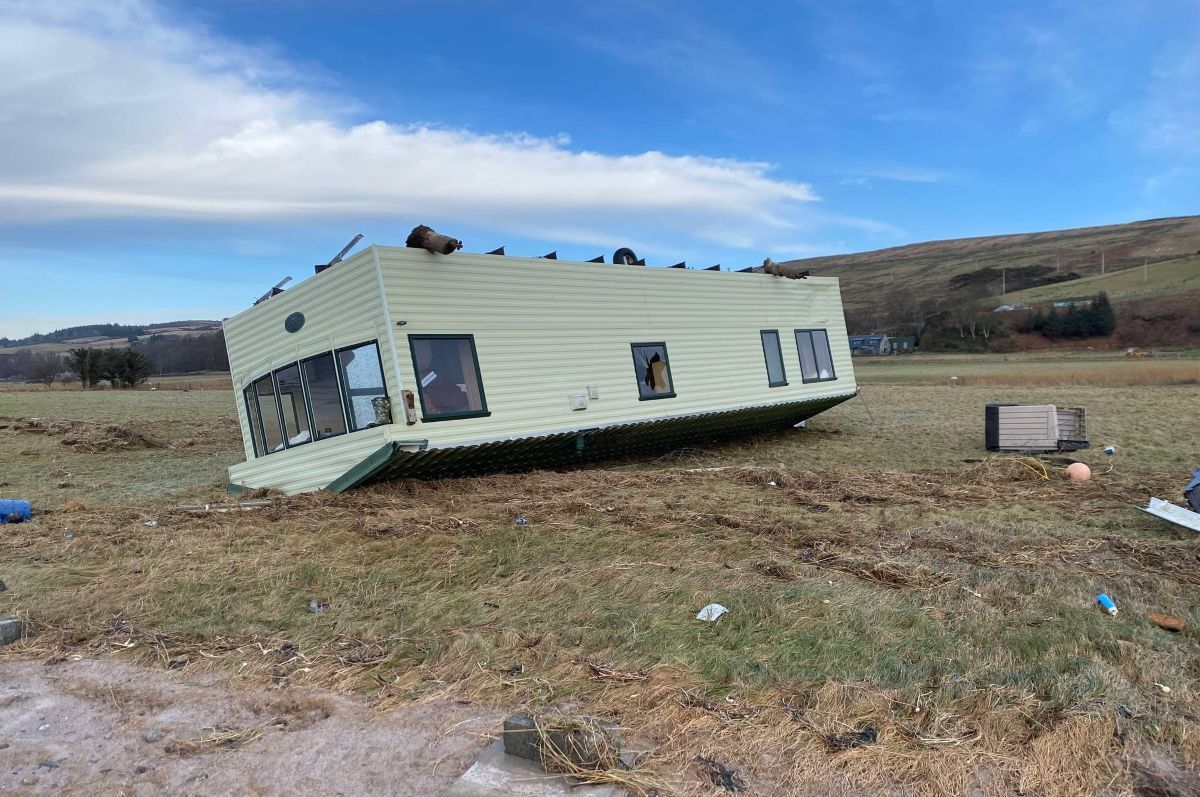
x=1079, y=472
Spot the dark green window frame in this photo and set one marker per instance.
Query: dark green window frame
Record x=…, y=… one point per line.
x=253, y=417
x=254, y=411
x=633, y=347
x=448, y=416
x=813, y=348
x=344, y=386
x=337, y=376
x=762, y=334
x=304, y=397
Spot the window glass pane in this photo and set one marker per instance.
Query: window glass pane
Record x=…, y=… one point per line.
x=362, y=379
x=808, y=360
x=291, y=400
x=653, y=370
x=329, y=419
x=824, y=358
x=771, y=350
x=447, y=376
x=268, y=410
x=255, y=427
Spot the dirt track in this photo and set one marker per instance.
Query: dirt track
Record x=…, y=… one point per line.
x=99, y=722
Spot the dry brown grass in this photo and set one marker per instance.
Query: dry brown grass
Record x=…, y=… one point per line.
x=874, y=580
x=959, y=621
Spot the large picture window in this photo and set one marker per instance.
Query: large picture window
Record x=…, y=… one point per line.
x=362, y=380
x=816, y=362
x=319, y=397
x=448, y=382
x=773, y=353
x=293, y=407
x=268, y=415
x=653, y=371
x=325, y=400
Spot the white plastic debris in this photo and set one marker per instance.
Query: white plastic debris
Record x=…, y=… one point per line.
x=711, y=612
x=151, y=523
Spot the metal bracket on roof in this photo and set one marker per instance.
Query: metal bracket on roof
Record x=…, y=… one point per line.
x=419, y=445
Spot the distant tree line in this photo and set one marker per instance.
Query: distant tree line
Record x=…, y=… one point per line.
x=166, y=354
x=1096, y=319
x=121, y=368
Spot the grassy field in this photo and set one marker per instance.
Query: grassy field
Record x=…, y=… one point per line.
x=880, y=570
x=1034, y=369
x=1170, y=278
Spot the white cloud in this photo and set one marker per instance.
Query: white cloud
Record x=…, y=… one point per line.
x=112, y=110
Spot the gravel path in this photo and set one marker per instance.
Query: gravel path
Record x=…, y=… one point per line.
x=104, y=727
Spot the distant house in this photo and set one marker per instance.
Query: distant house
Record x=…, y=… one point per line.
x=1065, y=303
x=904, y=344
x=1008, y=308
x=869, y=344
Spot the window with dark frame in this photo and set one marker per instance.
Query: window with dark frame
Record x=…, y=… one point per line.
x=297, y=428
x=653, y=371
x=268, y=415
x=448, y=379
x=816, y=361
x=362, y=384
x=324, y=396
x=256, y=435
x=773, y=354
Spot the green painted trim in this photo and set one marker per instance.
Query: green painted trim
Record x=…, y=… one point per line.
x=762, y=335
x=828, y=349
x=638, y=383
x=448, y=416
x=364, y=470
x=337, y=380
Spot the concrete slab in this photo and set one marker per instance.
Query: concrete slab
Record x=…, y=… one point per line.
x=496, y=774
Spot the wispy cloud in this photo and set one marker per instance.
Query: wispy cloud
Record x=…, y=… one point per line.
x=896, y=174
x=113, y=110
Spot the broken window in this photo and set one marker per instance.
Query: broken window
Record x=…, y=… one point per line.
x=653, y=371
x=268, y=415
x=324, y=397
x=447, y=369
x=362, y=381
x=776, y=376
x=294, y=409
x=816, y=362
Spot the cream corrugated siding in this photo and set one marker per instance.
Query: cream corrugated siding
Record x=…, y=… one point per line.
x=341, y=307
x=545, y=330
x=310, y=466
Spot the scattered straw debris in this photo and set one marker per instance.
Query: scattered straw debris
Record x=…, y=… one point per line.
x=217, y=738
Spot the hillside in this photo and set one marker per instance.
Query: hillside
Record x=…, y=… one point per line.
x=104, y=336
x=923, y=272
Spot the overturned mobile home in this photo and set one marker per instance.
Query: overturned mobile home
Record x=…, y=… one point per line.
x=401, y=362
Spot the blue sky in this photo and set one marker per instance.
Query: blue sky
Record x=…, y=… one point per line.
x=162, y=161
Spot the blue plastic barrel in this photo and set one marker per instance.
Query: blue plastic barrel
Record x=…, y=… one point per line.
x=14, y=510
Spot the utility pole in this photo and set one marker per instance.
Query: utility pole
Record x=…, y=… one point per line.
x=1057, y=264
x=1102, y=262
x=1146, y=270
x=1003, y=280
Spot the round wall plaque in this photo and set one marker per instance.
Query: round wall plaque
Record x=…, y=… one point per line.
x=293, y=322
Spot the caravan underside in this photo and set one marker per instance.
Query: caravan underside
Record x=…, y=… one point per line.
x=405, y=460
